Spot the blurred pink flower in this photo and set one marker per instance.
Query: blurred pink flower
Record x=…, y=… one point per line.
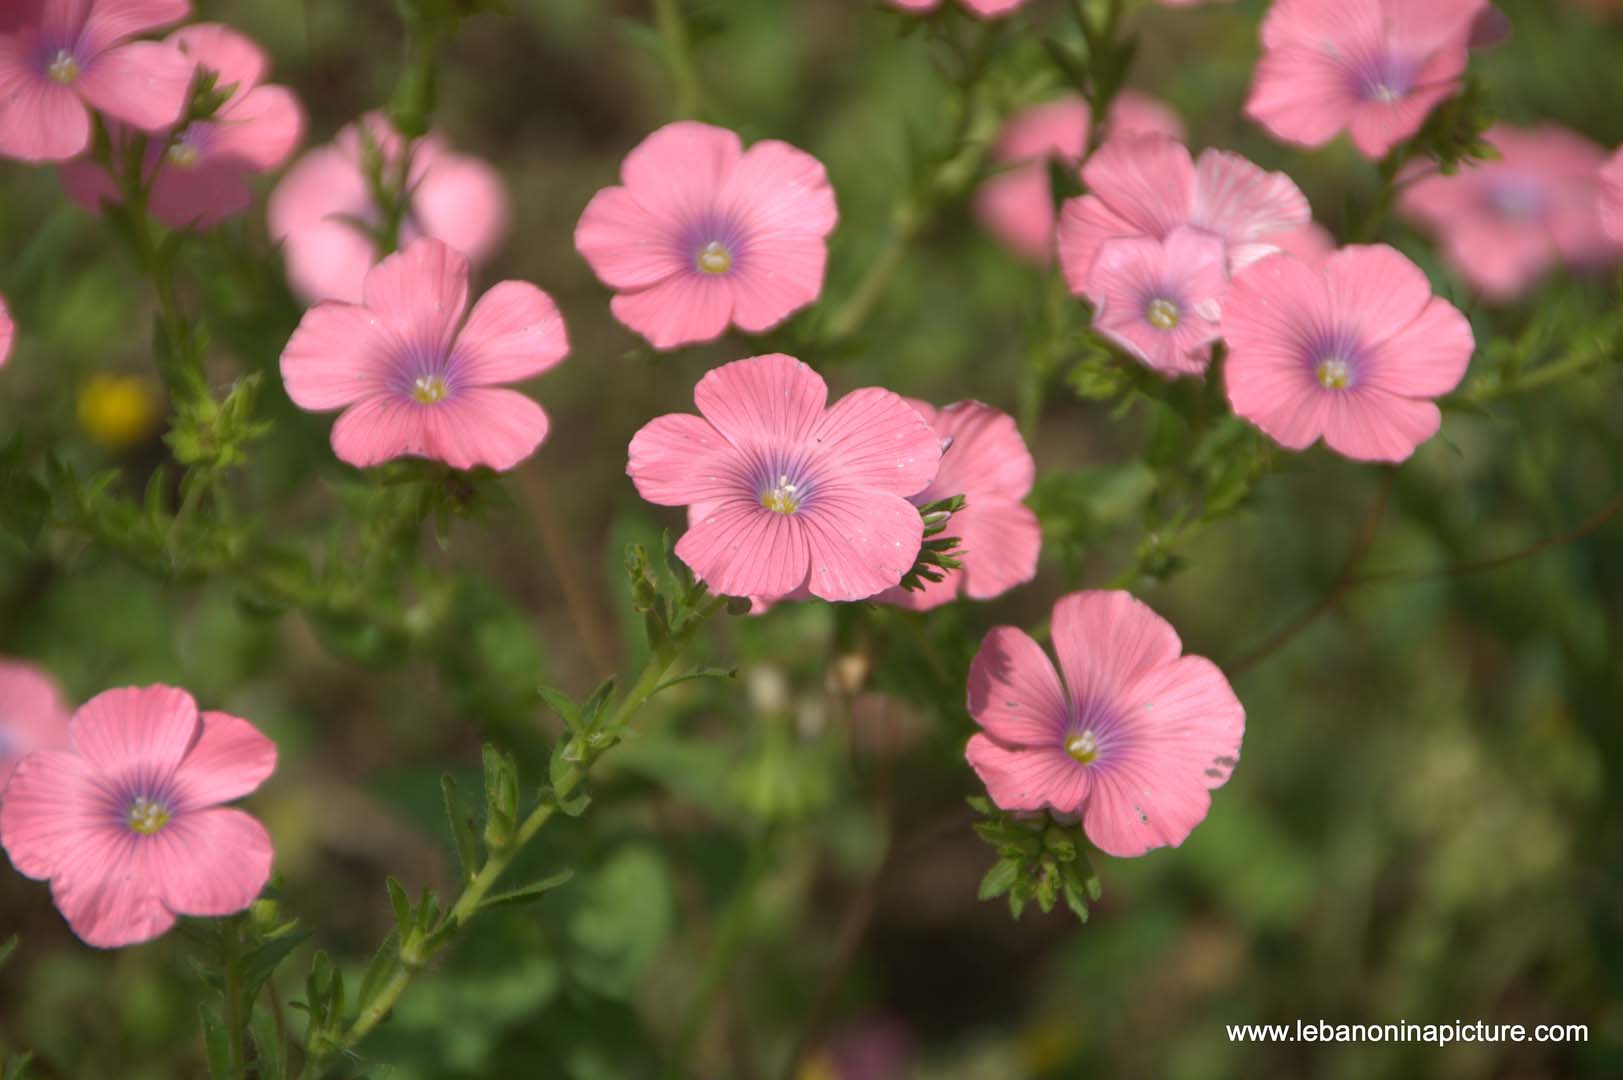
x=986, y=9
x=417, y=374
x=1352, y=349
x=785, y=493
x=199, y=176
x=986, y=461
x=323, y=210
x=1373, y=67
x=61, y=58
x=703, y=234
x=1503, y=224
x=1146, y=185
x=1310, y=243
x=8, y=332
x=33, y=715
x=128, y=824
x=1161, y=299
x=1611, y=195
x=1133, y=740
x=1017, y=204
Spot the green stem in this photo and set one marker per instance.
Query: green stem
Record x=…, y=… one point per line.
x=230, y=939
x=679, y=56
x=905, y=226
x=1493, y=387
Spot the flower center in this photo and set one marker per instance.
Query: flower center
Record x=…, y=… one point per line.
x=64, y=68
x=714, y=259
x=1333, y=373
x=147, y=816
x=183, y=152
x=429, y=389
x=783, y=497
x=1083, y=746
x=1163, y=314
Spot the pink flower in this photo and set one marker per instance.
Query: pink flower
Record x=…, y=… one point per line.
x=129, y=826
x=414, y=377
x=1133, y=740
x=1310, y=243
x=1504, y=223
x=987, y=462
x=323, y=211
x=1353, y=349
x=61, y=58
x=1373, y=67
x=199, y=176
x=1017, y=204
x=33, y=715
x=985, y=9
x=1611, y=196
x=1146, y=185
x=1161, y=300
x=785, y=493
x=8, y=332
x=703, y=234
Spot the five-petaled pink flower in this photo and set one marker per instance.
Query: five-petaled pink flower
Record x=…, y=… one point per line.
x=129, y=826
x=704, y=233
x=1373, y=67
x=1016, y=204
x=985, y=9
x=987, y=462
x=61, y=58
x=1504, y=223
x=1161, y=299
x=786, y=493
x=1146, y=185
x=323, y=212
x=1352, y=348
x=33, y=715
x=199, y=176
x=414, y=377
x=1133, y=739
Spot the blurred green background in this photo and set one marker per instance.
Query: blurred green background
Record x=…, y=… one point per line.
x=1427, y=824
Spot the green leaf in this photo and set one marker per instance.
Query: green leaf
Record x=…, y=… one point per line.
x=560, y=703
x=16, y=1066
x=261, y=962
x=999, y=879
x=216, y=1045
x=7, y=948
x=401, y=904
x=380, y=969
x=697, y=673
x=528, y=894
x=467, y=845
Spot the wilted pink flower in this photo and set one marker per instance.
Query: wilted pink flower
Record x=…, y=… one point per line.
x=1146, y=185
x=199, y=176
x=986, y=9
x=61, y=58
x=417, y=374
x=1611, y=195
x=33, y=715
x=323, y=212
x=1353, y=349
x=1372, y=67
x=8, y=332
x=1503, y=224
x=1017, y=203
x=129, y=826
x=703, y=234
x=785, y=493
x=1161, y=299
x=987, y=462
x=1133, y=740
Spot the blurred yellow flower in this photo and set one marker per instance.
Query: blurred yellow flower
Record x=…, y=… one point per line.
x=118, y=411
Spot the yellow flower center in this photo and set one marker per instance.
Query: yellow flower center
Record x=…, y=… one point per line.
x=781, y=498
x=1163, y=314
x=428, y=389
x=63, y=67
x=147, y=817
x=714, y=259
x=1083, y=746
x=1333, y=373
x=183, y=153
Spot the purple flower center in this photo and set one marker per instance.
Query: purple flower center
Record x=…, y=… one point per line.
x=1162, y=313
x=426, y=373
x=1335, y=358
x=188, y=146
x=1516, y=196
x=780, y=481
x=714, y=245
x=1382, y=76
x=147, y=816
x=714, y=259
x=143, y=800
x=1083, y=746
x=63, y=66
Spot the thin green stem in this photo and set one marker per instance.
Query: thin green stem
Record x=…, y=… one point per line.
x=679, y=56
x=1494, y=387
x=230, y=946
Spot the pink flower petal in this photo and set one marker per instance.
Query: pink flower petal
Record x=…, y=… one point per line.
x=626, y=246
x=1374, y=287
x=1028, y=779
x=52, y=802
x=775, y=187
x=208, y=863
x=1085, y=224
x=1242, y=203
x=1369, y=424
x=234, y=58
x=113, y=20
x=1105, y=642
x=1428, y=357
x=154, y=725
x=1014, y=693
x=680, y=460
x=462, y=201
x=33, y=714
x=329, y=261
x=44, y=121
x=230, y=759
x=514, y=332
x=8, y=332
x=379, y=429
x=261, y=130
x=680, y=168
x=484, y=426
x=761, y=399
x=143, y=83
x=421, y=293
x=104, y=888
x=1146, y=178
x=199, y=196
x=861, y=541
x=876, y=440
x=740, y=548
x=1300, y=95
x=682, y=310
x=779, y=274
x=999, y=543
x=339, y=355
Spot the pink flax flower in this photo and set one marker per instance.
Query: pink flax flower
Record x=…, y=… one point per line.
x=704, y=233
x=323, y=212
x=199, y=176
x=984, y=9
x=417, y=374
x=987, y=462
x=1017, y=203
x=33, y=715
x=784, y=492
x=1130, y=734
x=1611, y=196
x=1352, y=348
x=1504, y=223
x=1375, y=68
x=8, y=332
x=128, y=823
x=61, y=58
x=1161, y=299
x=1147, y=185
